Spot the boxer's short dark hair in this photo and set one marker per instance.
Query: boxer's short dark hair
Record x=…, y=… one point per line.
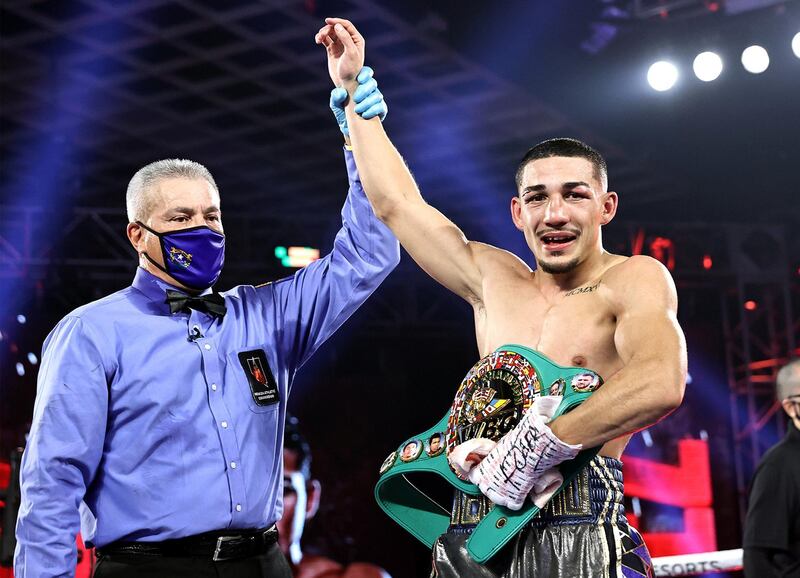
x=564, y=147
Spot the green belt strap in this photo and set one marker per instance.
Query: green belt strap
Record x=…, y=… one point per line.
x=427, y=520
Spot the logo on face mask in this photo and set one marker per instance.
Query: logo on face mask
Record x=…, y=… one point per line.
x=180, y=257
x=192, y=256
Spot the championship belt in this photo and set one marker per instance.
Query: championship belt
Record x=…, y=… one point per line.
x=490, y=401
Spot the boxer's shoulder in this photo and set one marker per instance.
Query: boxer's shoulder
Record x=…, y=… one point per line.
x=492, y=260
x=635, y=278
x=621, y=267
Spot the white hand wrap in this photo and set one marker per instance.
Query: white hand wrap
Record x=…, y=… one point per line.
x=523, y=456
x=465, y=457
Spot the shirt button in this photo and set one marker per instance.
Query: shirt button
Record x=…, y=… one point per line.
x=213, y=387
x=207, y=346
x=224, y=424
x=238, y=507
x=233, y=465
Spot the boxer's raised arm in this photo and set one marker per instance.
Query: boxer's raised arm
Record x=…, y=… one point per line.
x=432, y=240
x=650, y=343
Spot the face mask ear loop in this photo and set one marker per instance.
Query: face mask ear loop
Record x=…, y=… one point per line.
x=161, y=244
x=146, y=256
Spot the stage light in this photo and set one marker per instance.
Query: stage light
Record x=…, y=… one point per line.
x=32, y=359
x=796, y=45
x=662, y=75
x=21, y=319
x=750, y=305
x=755, y=59
x=20, y=369
x=707, y=262
x=1, y=336
x=707, y=66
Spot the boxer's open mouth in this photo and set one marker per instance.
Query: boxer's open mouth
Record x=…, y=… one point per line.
x=558, y=240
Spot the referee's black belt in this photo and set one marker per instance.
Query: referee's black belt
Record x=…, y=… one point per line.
x=218, y=545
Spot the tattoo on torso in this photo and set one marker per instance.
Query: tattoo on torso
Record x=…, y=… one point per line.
x=588, y=289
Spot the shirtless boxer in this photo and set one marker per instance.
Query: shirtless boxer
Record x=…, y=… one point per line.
x=582, y=306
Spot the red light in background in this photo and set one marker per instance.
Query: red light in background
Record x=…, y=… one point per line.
x=686, y=485
x=707, y=262
x=750, y=305
x=663, y=249
x=713, y=6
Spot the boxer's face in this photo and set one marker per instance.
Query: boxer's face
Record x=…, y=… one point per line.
x=561, y=206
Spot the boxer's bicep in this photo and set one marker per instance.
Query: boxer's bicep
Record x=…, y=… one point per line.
x=648, y=338
x=649, y=385
x=438, y=246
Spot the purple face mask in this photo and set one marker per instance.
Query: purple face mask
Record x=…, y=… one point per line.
x=192, y=256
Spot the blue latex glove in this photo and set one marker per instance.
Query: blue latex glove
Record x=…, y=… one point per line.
x=367, y=98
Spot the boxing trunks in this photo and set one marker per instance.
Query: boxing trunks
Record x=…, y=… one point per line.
x=581, y=533
x=489, y=403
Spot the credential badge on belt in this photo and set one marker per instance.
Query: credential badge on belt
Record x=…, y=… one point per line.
x=259, y=376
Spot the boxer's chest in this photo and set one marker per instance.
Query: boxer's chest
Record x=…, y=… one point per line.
x=576, y=329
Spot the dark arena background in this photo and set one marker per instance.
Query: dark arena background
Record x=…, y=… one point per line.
x=706, y=170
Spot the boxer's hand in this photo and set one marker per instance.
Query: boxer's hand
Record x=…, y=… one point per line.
x=368, y=100
x=511, y=470
x=345, y=48
x=545, y=487
x=466, y=456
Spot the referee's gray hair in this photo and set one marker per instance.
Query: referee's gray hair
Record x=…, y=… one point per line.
x=136, y=199
x=788, y=380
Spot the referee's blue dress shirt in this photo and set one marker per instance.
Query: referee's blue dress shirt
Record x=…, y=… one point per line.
x=157, y=430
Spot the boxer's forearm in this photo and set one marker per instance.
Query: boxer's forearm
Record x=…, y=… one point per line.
x=385, y=177
x=432, y=240
x=638, y=396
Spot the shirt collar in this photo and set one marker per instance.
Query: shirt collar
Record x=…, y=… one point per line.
x=155, y=289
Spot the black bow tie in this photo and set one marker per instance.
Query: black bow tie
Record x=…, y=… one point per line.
x=213, y=303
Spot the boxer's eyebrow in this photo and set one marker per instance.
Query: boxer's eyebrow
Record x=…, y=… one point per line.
x=534, y=188
x=576, y=184
x=569, y=185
